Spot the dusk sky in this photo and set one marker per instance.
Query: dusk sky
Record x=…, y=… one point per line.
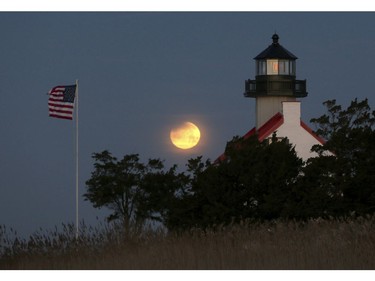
x=139, y=75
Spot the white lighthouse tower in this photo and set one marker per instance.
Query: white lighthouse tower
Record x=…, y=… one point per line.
x=276, y=91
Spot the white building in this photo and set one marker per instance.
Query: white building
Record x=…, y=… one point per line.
x=288, y=123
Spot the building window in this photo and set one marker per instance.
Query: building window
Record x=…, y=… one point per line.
x=272, y=67
x=292, y=67
x=284, y=67
x=261, y=67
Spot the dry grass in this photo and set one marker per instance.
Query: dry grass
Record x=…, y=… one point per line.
x=317, y=244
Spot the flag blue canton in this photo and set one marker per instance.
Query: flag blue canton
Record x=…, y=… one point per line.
x=69, y=93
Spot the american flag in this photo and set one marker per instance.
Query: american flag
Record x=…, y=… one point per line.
x=61, y=101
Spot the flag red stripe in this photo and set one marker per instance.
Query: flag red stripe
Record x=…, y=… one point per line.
x=62, y=105
x=61, y=117
x=55, y=99
x=61, y=111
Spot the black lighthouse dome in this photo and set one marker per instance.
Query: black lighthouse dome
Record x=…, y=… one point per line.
x=275, y=51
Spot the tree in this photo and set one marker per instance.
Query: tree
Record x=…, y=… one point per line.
x=133, y=191
x=115, y=184
x=251, y=182
x=186, y=207
x=316, y=193
x=347, y=178
x=161, y=192
x=346, y=130
x=254, y=180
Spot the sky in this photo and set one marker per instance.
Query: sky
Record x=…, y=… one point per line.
x=140, y=74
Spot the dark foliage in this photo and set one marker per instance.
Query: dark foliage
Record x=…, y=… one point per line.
x=251, y=182
x=347, y=179
x=133, y=191
x=256, y=181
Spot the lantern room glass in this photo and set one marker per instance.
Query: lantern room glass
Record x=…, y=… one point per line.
x=276, y=67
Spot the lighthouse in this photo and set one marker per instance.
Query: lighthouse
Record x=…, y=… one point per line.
x=278, y=108
x=275, y=81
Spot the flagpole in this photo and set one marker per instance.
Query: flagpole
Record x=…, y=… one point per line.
x=77, y=222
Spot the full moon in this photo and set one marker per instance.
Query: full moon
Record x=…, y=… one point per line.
x=186, y=136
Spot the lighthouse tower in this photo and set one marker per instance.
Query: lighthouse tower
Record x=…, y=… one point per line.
x=276, y=91
x=275, y=81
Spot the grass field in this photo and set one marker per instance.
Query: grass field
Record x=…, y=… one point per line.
x=317, y=244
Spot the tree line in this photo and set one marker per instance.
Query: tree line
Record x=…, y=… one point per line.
x=255, y=181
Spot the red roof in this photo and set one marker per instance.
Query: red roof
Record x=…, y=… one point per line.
x=263, y=132
x=309, y=130
x=268, y=128
x=273, y=124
